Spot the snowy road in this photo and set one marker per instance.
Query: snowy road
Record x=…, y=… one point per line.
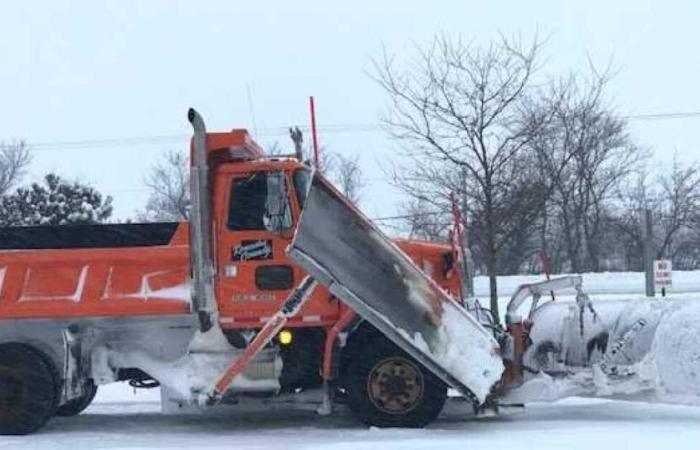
x=571, y=424
x=119, y=419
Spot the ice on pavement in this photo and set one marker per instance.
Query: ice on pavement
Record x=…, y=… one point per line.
x=573, y=424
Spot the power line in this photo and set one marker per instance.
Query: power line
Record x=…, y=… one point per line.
x=109, y=142
x=664, y=116
x=180, y=138
x=282, y=130
x=406, y=216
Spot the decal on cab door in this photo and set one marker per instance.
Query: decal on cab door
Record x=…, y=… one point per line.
x=252, y=250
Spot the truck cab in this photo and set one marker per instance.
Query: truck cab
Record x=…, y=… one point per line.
x=257, y=201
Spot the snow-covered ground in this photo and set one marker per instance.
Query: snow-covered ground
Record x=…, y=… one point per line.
x=118, y=420
x=596, y=283
x=599, y=286
x=121, y=418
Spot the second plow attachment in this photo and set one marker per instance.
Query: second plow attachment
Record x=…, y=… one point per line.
x=638, y=349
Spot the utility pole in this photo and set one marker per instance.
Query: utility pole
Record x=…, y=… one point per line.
x=648, y=253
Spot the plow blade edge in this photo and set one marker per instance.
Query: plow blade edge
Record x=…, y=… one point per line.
x=344, y=251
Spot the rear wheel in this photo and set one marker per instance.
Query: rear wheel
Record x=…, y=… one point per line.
x=387, y=388
x=28, y=391
x=77, y=405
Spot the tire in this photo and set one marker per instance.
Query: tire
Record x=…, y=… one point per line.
x=387, y=388
x=77, y=405
x=28, y=389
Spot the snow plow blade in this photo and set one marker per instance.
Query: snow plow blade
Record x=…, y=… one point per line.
x=344, y=251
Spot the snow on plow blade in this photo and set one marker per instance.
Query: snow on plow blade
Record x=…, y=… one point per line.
x=344, y=251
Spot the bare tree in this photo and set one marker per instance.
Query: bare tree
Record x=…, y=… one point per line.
x=680, y=206
x=674, y=199
x=14, y=159
x=348, y=176
x=457, y=110
x=274, y=149
x=344, y=171
x=168, y=183
x=584, y=152
x=423, y=222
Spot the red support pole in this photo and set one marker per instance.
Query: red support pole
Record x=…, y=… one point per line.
x=458, y=256
x=314, y=135
x=347, y=317
x=545, y=268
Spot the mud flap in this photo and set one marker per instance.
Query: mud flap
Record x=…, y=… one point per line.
x=344, y=251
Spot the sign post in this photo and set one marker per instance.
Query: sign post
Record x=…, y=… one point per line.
x=663, y=272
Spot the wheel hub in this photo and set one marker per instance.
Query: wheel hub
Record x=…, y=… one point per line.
x=395, y=385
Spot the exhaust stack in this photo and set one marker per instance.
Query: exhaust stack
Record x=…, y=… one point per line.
x=201, y=260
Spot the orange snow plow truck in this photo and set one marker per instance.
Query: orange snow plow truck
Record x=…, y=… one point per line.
x=217, y=309
x=279, y=291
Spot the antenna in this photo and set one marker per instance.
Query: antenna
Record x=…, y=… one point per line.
x=250, y=108
x=314, y=136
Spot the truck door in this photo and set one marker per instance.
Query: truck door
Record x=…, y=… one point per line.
x=253, y=232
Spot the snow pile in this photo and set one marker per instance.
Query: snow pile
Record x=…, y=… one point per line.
x=684, y=281
x=187, y=375
x=212, y=341
x=192, y=376
x=676, y=351
x=545, y=388
x=181, y=292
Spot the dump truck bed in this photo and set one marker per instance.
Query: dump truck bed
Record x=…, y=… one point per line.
x=98, y=270
x=123, y=270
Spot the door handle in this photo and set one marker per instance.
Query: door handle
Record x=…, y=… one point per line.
x=230, y=270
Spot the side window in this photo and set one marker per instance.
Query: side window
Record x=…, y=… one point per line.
x=259, y=202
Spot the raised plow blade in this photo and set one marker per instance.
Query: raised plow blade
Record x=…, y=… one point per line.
x=642, y=349
x=344, y=251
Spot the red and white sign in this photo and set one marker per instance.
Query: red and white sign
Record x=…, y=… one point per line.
x=663, y=272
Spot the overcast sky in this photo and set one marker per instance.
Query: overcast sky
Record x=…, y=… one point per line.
x=79, y=71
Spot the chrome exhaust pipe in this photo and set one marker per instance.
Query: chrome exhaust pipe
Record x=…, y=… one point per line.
x=201, y=259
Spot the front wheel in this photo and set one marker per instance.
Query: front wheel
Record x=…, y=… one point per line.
x=388, y=388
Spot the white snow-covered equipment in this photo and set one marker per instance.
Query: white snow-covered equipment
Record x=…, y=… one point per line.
x=640, y=349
